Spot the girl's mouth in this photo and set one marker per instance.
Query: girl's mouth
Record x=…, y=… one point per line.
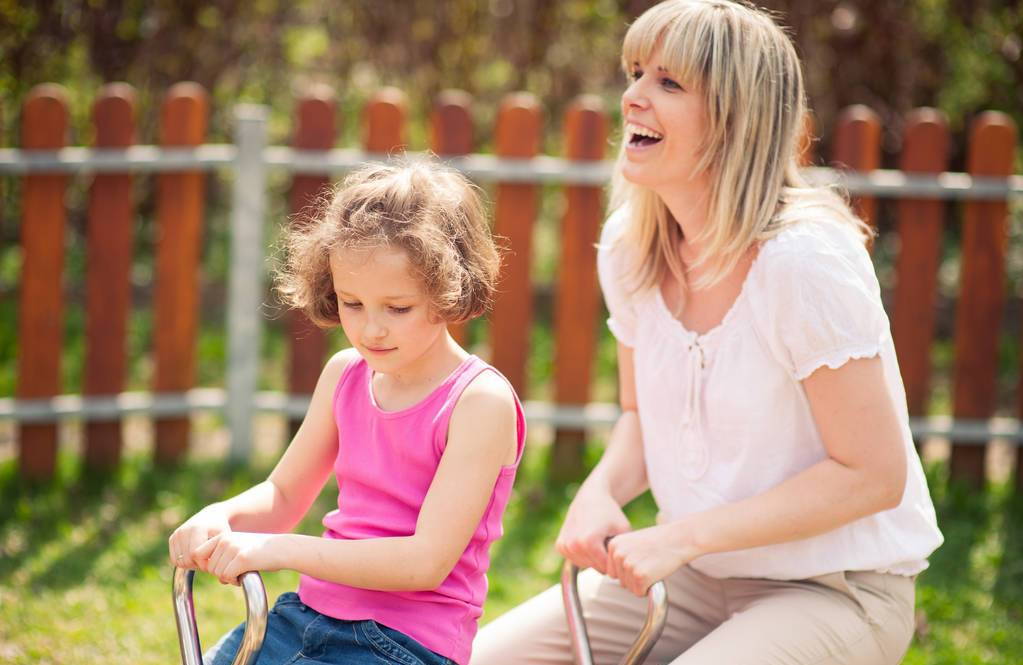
x=641, y=137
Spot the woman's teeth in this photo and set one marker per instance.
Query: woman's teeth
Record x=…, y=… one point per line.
x=639, y=135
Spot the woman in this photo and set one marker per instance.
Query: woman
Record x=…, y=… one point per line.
x=762, y=401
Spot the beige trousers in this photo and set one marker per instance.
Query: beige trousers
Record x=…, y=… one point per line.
x=855, y=618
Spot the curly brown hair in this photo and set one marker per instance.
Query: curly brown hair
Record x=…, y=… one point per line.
x=430, y=211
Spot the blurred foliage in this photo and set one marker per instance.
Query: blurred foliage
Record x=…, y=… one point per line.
x=960, y=56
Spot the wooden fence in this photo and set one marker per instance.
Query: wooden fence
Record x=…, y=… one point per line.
x=180, y=218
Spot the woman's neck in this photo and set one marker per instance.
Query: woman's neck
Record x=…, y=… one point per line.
x=689, y=207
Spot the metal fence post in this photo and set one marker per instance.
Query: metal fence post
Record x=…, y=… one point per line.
x=245, y=286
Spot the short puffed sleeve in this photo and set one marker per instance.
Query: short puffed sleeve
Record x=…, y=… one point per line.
x=613, y=271
x=817, y=300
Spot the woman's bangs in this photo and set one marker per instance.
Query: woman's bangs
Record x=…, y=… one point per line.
x=684, y=48
x=644, y=36
x=669, y=33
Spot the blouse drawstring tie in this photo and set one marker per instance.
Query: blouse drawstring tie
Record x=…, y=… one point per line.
x=694, y=381
x=692, y=451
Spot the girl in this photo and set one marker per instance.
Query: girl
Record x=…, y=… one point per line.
x=762, y=401
x=424, y=439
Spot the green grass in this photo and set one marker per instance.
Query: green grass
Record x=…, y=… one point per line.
x=84, y=577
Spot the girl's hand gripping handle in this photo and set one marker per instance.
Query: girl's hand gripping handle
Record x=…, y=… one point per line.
x=188, y=634
x=209, y=522
x=657, y=614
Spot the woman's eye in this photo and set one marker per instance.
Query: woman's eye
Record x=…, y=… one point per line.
x=401, y=310
x=352, y=305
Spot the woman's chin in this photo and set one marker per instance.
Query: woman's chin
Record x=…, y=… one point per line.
x=636, y=174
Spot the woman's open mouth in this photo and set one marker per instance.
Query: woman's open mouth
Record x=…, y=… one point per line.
x=642, y=137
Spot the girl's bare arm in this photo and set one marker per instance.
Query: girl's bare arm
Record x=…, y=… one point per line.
x=481, y=438
x=278, y=503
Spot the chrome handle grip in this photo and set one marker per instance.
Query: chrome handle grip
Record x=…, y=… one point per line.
x=656, y=615
x=188, y=634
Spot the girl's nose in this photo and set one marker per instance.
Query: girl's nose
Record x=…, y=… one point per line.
x=374, y=328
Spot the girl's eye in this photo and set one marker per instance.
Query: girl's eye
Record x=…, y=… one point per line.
x=636, y=74
x=352, y=305
x=669, y=84
x=401, y=310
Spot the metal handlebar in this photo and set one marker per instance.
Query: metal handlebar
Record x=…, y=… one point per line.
x=656, y=615
x=188, y=634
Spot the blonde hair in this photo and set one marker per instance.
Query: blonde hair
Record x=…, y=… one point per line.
x=430, y=211
x=748, y=73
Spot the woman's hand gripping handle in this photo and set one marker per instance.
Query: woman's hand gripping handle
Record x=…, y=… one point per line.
x=593, y=517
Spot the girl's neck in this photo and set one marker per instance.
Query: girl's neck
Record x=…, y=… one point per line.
x=436, y=363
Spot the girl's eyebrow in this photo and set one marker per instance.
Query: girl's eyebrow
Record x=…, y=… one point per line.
x=341, y=292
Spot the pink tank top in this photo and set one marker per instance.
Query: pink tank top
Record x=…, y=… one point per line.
x=385, y=463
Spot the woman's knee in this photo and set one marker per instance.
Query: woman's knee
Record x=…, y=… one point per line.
x=802, y=622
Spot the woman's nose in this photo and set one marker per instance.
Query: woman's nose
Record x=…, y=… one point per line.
x=634, y=96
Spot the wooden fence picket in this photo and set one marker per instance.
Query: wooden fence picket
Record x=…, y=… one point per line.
x=110, y=238
x=578, y=300
x=180, y=205
x=451, y=135
x=315, y=129
x=991, y=149
x=858, y=148
x=44, y=126
x=384, y=122
x=517, y=136
x=451, y=129
x=919, y=226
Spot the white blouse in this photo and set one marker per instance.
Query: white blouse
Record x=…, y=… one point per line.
x=724, y=415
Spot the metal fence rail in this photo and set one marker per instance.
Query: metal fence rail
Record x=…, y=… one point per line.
x=886, y=183
x=597, y=415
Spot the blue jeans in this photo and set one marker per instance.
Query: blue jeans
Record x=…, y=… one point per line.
x=296, y=633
